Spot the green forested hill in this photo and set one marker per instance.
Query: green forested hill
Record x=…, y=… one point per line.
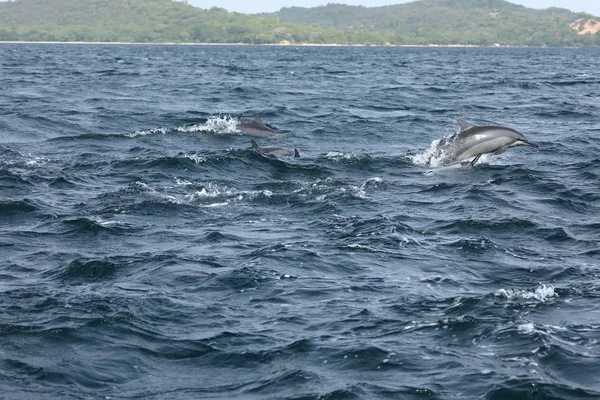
x=153, y=21
x=480, y=22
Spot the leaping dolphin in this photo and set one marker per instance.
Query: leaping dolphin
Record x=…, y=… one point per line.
x=277, y=151
x=255, y=128
x=473, y=141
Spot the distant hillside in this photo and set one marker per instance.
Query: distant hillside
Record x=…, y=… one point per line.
x=481, y=22
x=153, y=21
x=478, y=22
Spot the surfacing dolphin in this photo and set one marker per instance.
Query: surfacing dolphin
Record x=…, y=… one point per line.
x=473, y=141
x=276, y=151
x=255, y=128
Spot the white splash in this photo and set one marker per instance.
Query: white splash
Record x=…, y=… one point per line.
x=225, y=195
x=336, y=155
x=323, y=189
x=141, y=186
x=196, y=158
x=541, y=293
x=204, y=194
x=35, y=161
x=526, y=328
x=215, y=205
x=436, y=156
x=371, y=182
x=146, y=132
x=362, y=247
x=182, y=182
x=429, y=157
x=107, y=223
x=150, y=193
x=219, y=125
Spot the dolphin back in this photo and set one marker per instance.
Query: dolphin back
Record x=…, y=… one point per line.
x=276, y=151
x=255, y=128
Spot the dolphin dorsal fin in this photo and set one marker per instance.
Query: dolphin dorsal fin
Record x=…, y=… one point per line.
x=296, y=153
x=254, y=144
x=257, y=119
x=464, y=125
x=240, y=117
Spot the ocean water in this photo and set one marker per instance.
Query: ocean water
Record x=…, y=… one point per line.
x=148, y=252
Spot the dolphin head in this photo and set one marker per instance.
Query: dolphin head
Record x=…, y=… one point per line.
x=522, y=141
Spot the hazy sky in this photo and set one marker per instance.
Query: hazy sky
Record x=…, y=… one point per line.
x=257, y=6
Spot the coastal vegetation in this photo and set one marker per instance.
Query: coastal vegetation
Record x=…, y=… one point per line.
x=423, y=22
x=478, y=22
x=155, y=21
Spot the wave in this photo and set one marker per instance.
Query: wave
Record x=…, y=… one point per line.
x=7, y=153
x=14, y=159
x=86, y=271
x=513, y=388
x=12, y=208
x=76, y=229
x=14, y=182
x=478, y=226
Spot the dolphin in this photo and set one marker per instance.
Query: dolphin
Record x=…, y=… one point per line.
x=277, y=151
x=255, y=128
x=473, y=141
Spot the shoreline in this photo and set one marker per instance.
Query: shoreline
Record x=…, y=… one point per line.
x=250, y=44
x=431, y=45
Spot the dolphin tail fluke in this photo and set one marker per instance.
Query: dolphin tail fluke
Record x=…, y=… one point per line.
x=296, y=153
x=254, y=144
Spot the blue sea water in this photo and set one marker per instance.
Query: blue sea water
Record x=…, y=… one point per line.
x=148, y=252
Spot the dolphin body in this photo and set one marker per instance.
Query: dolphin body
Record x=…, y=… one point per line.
x=473, y=141
x=276, y=151
x=255, y=128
